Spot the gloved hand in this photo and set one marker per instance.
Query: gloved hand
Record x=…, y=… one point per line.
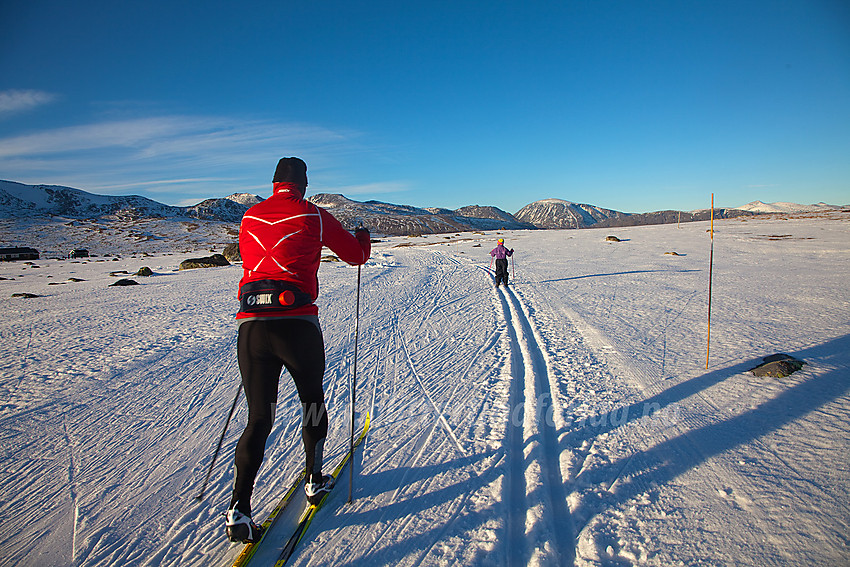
x=363, y=237
x=361, y=233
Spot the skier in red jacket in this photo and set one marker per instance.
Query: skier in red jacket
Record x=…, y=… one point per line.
x=281, y=240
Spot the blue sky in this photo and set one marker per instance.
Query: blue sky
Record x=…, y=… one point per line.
x=630, y=105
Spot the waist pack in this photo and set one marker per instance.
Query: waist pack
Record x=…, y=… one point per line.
x=271, y=295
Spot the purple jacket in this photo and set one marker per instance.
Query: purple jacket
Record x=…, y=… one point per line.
x=500, y=252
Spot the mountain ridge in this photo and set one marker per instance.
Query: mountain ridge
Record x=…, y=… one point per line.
x=20, y=200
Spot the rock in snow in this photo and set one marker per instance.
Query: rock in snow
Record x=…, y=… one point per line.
x=214, y=261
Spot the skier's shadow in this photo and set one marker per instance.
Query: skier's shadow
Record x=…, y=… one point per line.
x=664, y=462
x=630, y=272
x=471, y=478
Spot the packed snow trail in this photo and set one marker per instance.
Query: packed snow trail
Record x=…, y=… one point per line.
x=539, y=525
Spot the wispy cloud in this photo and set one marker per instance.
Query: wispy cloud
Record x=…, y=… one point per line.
x=20, y=100
x=169, y=137
x=181, y=155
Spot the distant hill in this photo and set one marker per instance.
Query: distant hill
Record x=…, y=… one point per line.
x=386, y=218
x=226, y=209
x=23, y=201
x=672, y=217
x=17, y=199
x=247, y=199
x=479, y=212
x=557, y=213
x=760, y=207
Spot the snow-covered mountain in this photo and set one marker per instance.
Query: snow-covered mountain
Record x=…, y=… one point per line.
x=247, y=199
x=390, y=219
x=671, y=217
x=225, y=209
x=19, y=200
x=486, y=212
x=557, y=213
x=783, y=207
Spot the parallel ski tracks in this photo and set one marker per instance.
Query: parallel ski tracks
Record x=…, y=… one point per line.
x=534, y=492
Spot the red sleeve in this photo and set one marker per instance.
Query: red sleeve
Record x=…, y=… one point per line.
x=344, y=244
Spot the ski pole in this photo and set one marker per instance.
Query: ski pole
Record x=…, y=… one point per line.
x=354, y=388
x=513, y=271
x=218, y=447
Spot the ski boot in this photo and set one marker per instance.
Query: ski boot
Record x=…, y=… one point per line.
x=317, y=490
x=241, y=527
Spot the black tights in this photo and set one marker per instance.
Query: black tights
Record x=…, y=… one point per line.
x=264, y=348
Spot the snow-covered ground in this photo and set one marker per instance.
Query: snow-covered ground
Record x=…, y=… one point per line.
x=567, y=419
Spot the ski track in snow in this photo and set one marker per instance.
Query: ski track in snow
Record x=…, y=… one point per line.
x=538, y=508
x=567, y=419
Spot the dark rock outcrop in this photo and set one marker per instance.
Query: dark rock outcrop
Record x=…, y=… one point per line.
x=232, y=253
x=778, y=365
x=213, y=261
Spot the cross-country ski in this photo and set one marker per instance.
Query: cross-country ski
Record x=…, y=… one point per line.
x=269, y=523
x=310, y=512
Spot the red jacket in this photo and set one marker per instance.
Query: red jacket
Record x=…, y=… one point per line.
x=281, y=239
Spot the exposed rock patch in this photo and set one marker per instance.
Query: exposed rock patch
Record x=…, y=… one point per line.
x=214, y=261
x=778, y=366
x=232, y=253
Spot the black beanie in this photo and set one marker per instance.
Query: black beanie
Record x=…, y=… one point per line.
x=291, y=170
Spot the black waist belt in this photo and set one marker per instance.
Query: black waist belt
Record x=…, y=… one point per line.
x=271, y=295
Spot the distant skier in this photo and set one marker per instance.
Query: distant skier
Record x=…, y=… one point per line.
x=281, y=242
x=500, y=253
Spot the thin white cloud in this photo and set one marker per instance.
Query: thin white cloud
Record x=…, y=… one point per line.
x=154, y=184
x=123, y=135
x=164, y=137
x=20, y=100
x=181, y=155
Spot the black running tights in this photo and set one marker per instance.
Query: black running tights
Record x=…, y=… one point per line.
x=264, y=348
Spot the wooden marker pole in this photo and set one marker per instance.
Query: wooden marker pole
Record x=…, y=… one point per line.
x=710, y=274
